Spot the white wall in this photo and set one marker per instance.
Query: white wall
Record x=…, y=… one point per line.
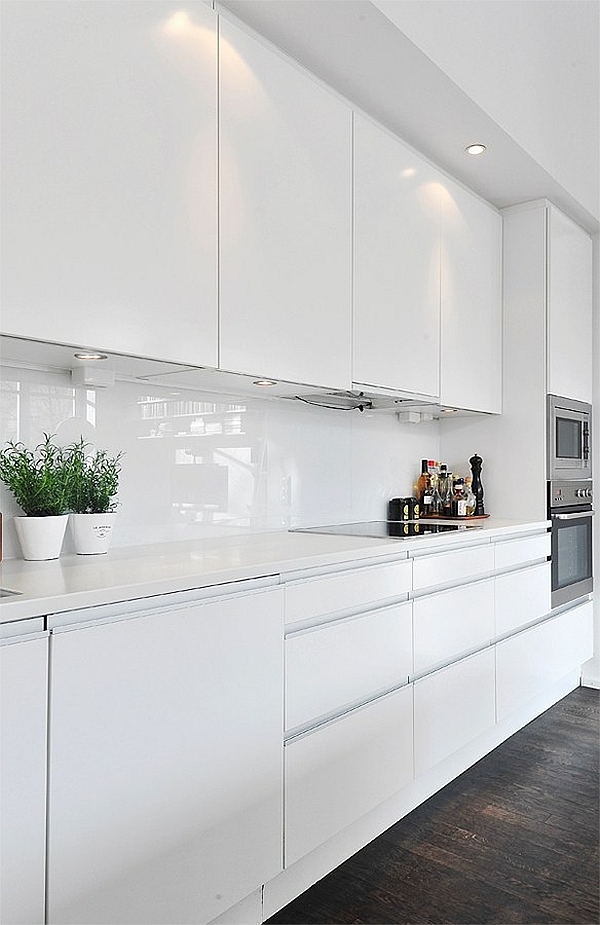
x=281, y=464
x=532, y=66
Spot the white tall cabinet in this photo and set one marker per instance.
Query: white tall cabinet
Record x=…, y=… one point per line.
x=547, y=337
x=109, y=176
x=23, y=720
x=396, y=264
x=285, y=218
x=569, y=297
x=165, y=759
x=471, y=301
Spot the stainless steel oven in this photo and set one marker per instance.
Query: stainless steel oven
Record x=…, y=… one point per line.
x=571, y=513
x=568, y=436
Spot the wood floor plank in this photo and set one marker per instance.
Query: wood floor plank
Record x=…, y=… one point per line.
x=513, y=839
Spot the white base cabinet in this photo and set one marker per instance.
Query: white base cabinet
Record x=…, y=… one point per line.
x=23, y=719
x=338, y=772
x=166, y=762
x=339, y=664
x=530, y=662
x=452, y=707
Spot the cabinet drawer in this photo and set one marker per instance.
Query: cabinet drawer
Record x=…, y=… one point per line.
x=452, y=707
x=529, y=663
x=340, y=664
x=349, y=590
x=452, y=623
x=520, y=551
x=522, y=597
x=447, y=567
x=342, y=770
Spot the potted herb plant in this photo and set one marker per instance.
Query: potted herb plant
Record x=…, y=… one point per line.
x=93, y=485
x=39, y=481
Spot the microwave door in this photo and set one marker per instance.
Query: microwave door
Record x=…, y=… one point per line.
x=569, y=441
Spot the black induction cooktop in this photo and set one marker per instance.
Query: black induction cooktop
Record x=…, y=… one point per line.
x=399, y=529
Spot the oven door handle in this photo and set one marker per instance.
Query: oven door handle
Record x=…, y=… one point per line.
x=572, y=516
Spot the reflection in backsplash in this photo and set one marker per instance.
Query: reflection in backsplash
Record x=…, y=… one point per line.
x=202, y=465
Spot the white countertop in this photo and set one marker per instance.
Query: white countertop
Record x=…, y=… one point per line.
x=127, y=573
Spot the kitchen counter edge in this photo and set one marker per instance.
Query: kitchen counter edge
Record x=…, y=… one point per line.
x=137, y=572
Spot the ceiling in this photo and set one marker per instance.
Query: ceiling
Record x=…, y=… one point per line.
x=361, y=53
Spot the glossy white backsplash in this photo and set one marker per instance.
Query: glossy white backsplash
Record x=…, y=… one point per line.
x=196, y=464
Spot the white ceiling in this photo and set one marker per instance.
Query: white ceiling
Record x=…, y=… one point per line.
x=440, y=107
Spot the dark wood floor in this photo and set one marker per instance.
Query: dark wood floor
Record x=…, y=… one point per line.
x=513, y=839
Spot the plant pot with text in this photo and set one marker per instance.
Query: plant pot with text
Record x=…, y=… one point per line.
x=94, y=482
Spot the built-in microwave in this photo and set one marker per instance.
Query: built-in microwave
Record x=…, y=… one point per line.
x=568, y=438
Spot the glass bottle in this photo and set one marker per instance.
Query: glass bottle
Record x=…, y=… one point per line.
x=469, y=497
x=447, y=497
x=423, y=482
x=436, y=498
x=424, y=491
x=459, y=502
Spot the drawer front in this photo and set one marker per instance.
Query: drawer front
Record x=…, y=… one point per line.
x=448, y=567
x=522, y=597
x=452, y=707
x=350, y=590
x=452, y=623
x=529, y=663
x=520, y=552
x=341, y=663
x=339, y=772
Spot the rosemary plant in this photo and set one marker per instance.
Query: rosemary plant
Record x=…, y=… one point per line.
x=93, y=479
x=39, y=479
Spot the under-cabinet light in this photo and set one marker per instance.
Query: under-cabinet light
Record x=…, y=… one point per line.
x=90, y=356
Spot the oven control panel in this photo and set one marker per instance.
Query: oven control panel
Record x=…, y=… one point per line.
x=570, y=493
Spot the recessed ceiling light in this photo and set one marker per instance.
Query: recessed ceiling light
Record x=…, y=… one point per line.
x=265, y=383
x=91, y=356
x=475, y=149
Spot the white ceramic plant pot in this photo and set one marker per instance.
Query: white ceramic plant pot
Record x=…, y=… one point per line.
x=92, y=533
x=41, y=537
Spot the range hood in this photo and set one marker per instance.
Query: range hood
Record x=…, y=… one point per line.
x=22, y=352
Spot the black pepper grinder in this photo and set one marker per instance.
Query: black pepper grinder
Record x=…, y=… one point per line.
x=476, y=486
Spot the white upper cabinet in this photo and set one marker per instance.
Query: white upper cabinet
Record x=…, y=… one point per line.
x=396, y=264
x=109, y=176
x=471, y=286
x=285, y=218
x=569, y=308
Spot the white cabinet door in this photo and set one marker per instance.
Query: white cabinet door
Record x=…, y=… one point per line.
x=340, y=771
x=534, y=660
x=452, y=707
x=342, y=663
x=471, y=287
x=452, y=623
x=353, y=589
x=396, y=264
x=23, y=718
x=109, y=176
x=522, y=597
x=285, y=218
x=569, y=308
x=452, y=567
x=165, y=794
